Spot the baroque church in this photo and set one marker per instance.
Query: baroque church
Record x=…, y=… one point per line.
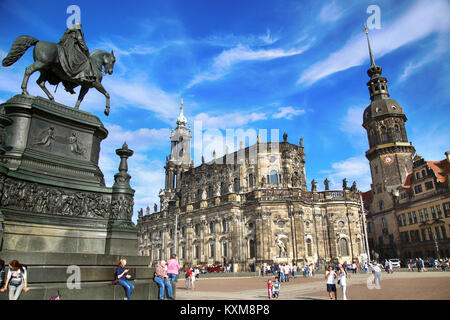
x=409, y=201
x=249, y=207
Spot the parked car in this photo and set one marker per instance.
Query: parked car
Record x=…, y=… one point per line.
x=214, y=268
x=395, y=263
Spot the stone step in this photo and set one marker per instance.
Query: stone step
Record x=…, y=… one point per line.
x=66, y=259
x=144, y=290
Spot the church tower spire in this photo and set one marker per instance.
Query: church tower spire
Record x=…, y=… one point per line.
x=179, y=159
x=390, y=153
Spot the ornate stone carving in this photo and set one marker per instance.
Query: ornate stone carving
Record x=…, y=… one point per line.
x=32, y=197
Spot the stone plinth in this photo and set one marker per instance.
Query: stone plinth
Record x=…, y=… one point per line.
x=53, y=194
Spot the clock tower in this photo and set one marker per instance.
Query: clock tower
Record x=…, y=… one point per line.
x=390, y=154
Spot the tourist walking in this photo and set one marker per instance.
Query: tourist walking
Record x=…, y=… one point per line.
x=294, y=271
x=287, y=271
x=187, y=278
x=162, y=280
x=16, y=279
x=173, y=268
x=331, y=276
x=376, y=270
x=342, y=281
x=410, y=265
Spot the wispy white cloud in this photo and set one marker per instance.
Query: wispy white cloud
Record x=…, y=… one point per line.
x=353, y=169
x=223, y=62
x=288, y=113
x=229, y=120
x=331, y=12
x=422, y=19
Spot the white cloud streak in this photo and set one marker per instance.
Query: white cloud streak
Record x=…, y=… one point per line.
x=424, y=18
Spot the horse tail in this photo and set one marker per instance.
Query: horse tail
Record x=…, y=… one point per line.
x=18, y=48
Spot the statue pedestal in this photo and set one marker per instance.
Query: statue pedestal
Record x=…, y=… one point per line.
x=54, y=197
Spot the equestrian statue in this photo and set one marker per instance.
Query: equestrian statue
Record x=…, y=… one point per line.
x=68, y=62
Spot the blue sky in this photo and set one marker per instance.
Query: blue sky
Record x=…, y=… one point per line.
x=296, y=66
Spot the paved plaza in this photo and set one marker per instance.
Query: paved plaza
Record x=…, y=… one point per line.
x=396, y=286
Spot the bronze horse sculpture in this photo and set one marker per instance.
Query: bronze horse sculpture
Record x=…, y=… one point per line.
x=47, y=61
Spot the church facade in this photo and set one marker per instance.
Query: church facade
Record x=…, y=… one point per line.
x=249, y=207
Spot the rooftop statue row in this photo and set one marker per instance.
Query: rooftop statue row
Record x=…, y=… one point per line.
x=68, y=62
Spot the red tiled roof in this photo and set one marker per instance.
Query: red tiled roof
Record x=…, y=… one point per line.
x=441, y=169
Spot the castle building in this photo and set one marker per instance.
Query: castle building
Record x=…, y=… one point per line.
x=409, y=201
x=249, y=207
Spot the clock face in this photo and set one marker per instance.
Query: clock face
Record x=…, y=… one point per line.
x=273, y=159
x=388, y=159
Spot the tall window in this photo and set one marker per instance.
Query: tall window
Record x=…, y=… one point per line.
x=210, y=192
x=212, y=251
x=197, y=230
x=223, y=188
x=237, y=185
x=398, y=134
x=225, y=249
x=425, y=213
x=250, y=180
x=273, y=177
x=252, y=248
x=384, y=136
x=308, y=247
x=197, y=251
x=224, y=226
x=433, y=213
x=212, y=228
x=343, y=246
x=414, y=217
x=199, y=194
x=182, y=252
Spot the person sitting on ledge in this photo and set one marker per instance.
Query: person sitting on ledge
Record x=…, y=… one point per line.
x=123, y=278
x=162, y=280
x=17, y=280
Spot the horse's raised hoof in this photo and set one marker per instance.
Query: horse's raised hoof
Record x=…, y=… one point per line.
x=51, y=99
x=107, y=111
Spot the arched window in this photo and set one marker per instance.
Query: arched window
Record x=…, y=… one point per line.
x=212, y=227
x=273, y=177
x=308, y=247
x=343, y=247
x=199, y=194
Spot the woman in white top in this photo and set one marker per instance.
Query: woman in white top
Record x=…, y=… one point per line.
x=17, y=280
x=342, y=281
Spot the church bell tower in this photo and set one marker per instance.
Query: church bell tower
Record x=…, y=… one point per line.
x=390, y=154
x=179, y=159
